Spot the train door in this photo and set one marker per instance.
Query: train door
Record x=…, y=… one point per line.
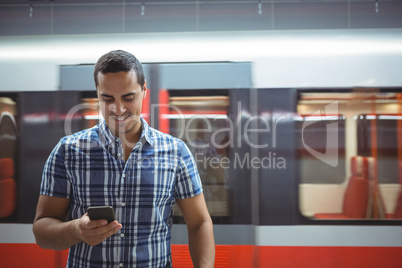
x=43, y=117
x=205, y=104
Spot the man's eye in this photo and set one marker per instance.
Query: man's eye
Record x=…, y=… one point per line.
x=128, y=98
x=107, y=99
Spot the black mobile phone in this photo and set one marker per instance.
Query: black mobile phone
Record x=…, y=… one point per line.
x=101, y=213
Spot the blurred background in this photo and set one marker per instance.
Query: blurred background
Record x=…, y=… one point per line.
x=292, y=109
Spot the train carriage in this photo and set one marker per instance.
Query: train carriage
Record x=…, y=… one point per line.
x=294, y=175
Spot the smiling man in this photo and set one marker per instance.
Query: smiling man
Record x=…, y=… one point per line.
x=125, y=164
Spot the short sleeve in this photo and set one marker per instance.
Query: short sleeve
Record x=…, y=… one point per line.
x=188, y=182
x=54, y=178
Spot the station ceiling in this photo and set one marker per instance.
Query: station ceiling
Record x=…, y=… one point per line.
x=59, y=17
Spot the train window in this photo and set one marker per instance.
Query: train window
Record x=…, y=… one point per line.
x=350, y=155
x=8, y=157
x=202, y=123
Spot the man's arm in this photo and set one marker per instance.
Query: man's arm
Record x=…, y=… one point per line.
x=200, y=230
x=51, y=232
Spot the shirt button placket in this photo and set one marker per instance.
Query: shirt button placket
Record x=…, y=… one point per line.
x=123, y=204
x=118, y=148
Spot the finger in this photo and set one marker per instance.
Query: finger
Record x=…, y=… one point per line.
x=97, y=235
x=115, y=228
x=99, y=238
x=100, y=230
x=91, y=224
x=104, y=232
x=109, y=227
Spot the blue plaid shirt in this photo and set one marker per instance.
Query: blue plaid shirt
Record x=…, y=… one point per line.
x=88, y=168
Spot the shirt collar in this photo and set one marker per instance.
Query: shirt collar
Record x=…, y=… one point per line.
x=106, y=136
x=146, y=131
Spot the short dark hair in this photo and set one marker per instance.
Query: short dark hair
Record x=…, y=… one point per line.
x=119, y=61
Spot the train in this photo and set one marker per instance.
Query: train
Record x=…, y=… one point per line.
x=297, y=136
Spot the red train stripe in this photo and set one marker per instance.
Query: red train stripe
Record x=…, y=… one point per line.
x=231, y=256
x=31, y=255
x=226, y=256
x=163, y=110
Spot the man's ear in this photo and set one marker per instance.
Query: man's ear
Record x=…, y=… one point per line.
x=144, y=88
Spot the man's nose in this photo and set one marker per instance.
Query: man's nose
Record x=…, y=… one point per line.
x=118, y=108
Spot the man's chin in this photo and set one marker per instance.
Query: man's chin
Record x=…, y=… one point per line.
x=122, y=128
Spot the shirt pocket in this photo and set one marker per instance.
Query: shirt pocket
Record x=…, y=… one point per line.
x=93, y=186
x=157, y=176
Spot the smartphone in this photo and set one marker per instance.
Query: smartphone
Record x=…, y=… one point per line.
x=101, y=213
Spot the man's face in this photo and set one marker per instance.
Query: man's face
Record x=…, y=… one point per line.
x=120, y=98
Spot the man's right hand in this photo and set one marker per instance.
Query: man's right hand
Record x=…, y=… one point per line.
x=94, y=232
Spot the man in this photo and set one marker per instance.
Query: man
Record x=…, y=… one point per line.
x=125, y=164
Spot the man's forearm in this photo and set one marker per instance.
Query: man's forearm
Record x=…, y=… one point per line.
x=202, y=245
x=54, y=234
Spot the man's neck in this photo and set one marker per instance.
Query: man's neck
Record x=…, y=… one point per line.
x=130, y=138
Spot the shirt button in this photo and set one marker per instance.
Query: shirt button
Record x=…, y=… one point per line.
x=124, y=175
x=123, y=204
x=121, y=264
x=118, y=154
x=121, y=235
